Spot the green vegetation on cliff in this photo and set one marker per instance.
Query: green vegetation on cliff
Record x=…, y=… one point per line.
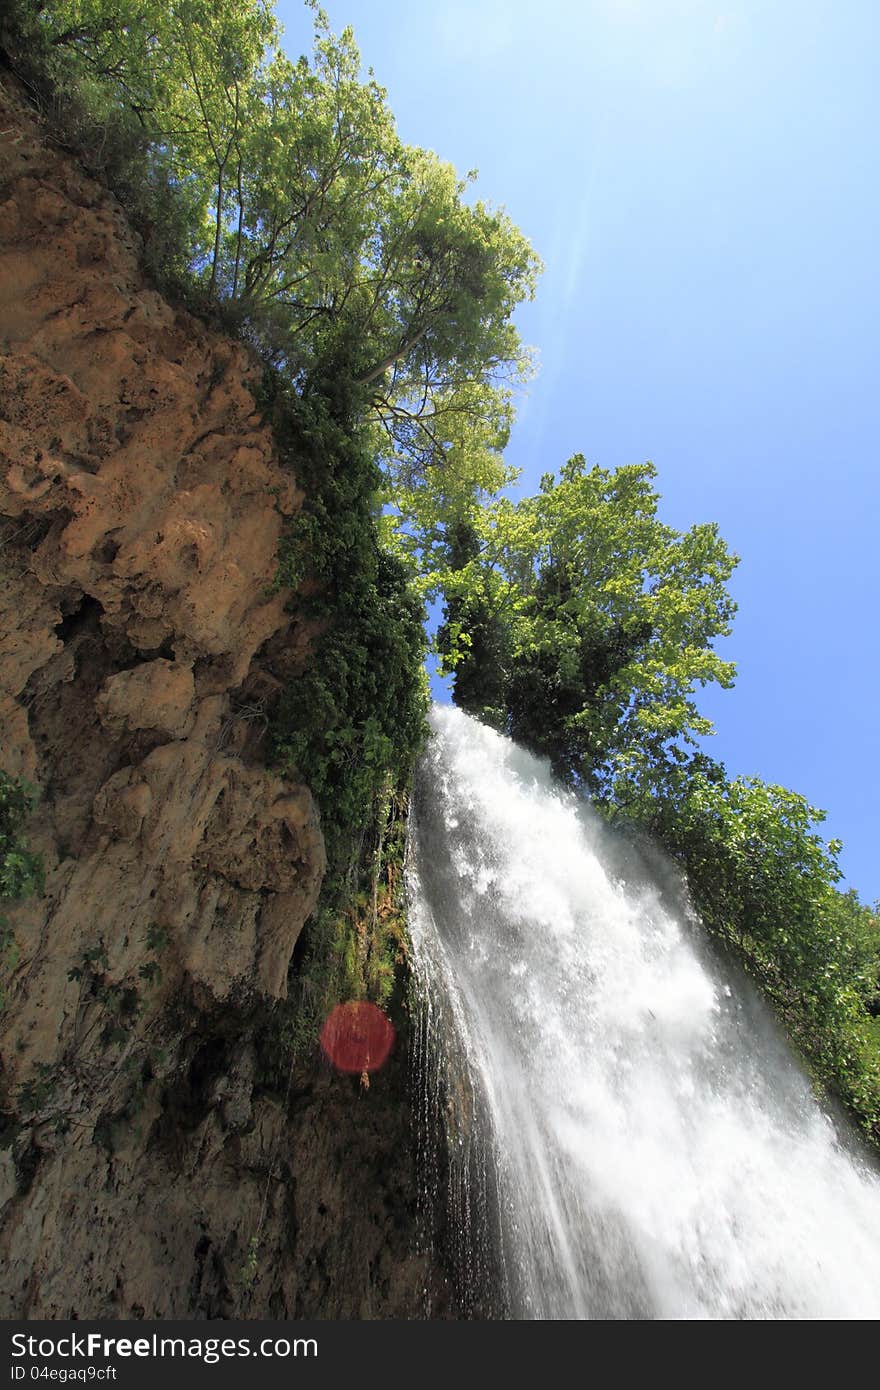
x=21, y=871
x=280, y=191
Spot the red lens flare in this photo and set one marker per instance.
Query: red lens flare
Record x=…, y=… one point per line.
x=357, y=1037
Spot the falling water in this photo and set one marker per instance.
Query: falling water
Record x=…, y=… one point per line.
x=629, y=1136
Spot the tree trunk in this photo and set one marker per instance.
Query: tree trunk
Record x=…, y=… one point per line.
x=218, y=225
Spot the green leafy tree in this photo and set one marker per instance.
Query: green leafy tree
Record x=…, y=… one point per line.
x=585, y=621
x=331, y=240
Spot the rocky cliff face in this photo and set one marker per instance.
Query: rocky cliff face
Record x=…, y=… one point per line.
x=146, y=1170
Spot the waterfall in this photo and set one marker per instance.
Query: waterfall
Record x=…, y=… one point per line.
x=629, y=1135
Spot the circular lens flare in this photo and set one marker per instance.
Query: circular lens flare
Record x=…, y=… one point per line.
x=357, y=1037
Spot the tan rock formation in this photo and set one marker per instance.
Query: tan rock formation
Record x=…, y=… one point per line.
x=145, y=1172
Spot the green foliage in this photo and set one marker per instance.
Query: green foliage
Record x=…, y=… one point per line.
x=580, y=623
x=281, y=190
x=352, y=722
x=353, y=946
x=157, y=938
x=250, y=1265
x=37, y=1093
x=110, y=132
x=355, y=717
x=763, y=879
x=21, y=871
x=92, y=966
x=121, y=1002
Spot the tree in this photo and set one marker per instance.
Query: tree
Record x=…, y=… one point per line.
x=335, y=243
x=597, y=620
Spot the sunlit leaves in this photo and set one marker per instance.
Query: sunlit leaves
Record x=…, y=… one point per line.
x=603, y=618
x=344, y=250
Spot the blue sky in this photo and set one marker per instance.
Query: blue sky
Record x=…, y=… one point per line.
x=701, y=180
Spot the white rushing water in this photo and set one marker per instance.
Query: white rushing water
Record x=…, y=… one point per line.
x=651, y=1147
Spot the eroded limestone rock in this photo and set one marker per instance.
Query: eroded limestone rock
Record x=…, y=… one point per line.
x=148, y=1169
